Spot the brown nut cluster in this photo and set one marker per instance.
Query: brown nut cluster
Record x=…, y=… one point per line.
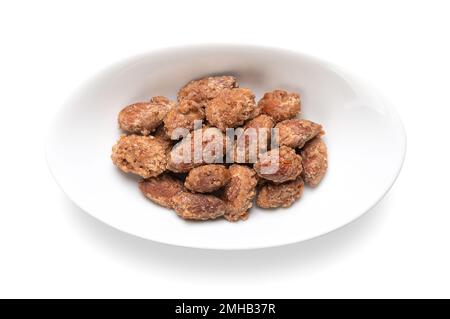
x=315, y=161
x=296, y=132
x=141, y=155
x=207, y=178
x=279, y=165
x=273, y=195
x=255, y=136
x=183, y=116
x=205, y=89
x=262, y=121
x=161, y=189
x=185, y=155
x=231, y=108
x=182, y=161
x=280, y=105
x=197, y=206
x=144, y=117
x=239, y=192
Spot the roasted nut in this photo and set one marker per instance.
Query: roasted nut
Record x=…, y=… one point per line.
x=230, y=108
x=183, y=116
x=262, y=121
x=161, y=189
x=254, y=139
x=207, y=178
x=295, y=133
x=315, y=161
x=197, y=206
x=144, y=117
x=273, y=195
x=281, y=167
x=239, y=192
x=205, y=89
x=142, y=155
x=203, y=146
x=280, y=105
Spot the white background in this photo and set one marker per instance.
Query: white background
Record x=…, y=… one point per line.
x=50, y=248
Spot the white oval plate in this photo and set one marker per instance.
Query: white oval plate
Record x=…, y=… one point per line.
x=365, y=137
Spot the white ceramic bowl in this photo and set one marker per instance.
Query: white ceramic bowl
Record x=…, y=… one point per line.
x=365, y=138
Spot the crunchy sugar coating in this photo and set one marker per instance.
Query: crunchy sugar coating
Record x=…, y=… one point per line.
x=161, y=189
x=261, y=121
x=183, y=116
x=238, y=194
x=315, y=161
x=280, y=105
x=141, y=155
x=197, y=206
x=296, y=132
x=144, y=117
x=231, y=108
x=205, y=89
x=287, y=168
x=207, y=178
x=213, y=143
x=262, y=125
x=273, y=195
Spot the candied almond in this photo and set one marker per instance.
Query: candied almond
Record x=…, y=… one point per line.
x=230, y=108
x=315, y=161
x=280, y=105
x=197, y=206
x=202, y=146
x=144, y=117
x=254, y=139
x=238, y=194
x=142, y=155
x=296, y=132
x=279, y=165
x=161, y=189
x=207, y=178
x=271, y=195
x=205, y=89
x=262, y=121
x=183, y=116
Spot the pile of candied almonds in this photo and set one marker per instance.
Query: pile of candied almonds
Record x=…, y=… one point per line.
x=203, y=190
